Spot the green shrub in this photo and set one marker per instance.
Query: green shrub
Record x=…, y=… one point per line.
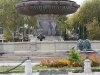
x=74, y=56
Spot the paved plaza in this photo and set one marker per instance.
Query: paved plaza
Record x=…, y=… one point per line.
x=69, y=73
x=14, y=64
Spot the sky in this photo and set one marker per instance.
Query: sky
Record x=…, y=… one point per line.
x=78, y=1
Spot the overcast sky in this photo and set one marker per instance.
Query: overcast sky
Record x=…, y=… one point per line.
x=78, y=1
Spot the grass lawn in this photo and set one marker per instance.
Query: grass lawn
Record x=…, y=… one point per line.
x=21, y=68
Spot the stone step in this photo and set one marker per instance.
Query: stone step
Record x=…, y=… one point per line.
x=10, y=57
x=37, y=54
x=34, y=56
x=18, y=58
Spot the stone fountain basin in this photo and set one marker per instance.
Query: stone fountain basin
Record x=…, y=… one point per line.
x=41, y=7
x=63, y=3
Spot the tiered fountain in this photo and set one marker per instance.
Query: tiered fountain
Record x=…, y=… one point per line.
x=46, y=12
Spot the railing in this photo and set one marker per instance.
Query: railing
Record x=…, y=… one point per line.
x=9, y=70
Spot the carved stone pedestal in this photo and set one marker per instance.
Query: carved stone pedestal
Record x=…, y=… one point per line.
x=47, y=26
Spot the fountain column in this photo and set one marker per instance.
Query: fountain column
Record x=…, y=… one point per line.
x=47, y=26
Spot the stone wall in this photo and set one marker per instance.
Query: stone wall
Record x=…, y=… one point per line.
x=44, y=46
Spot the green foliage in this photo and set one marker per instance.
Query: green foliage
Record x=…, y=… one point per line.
x=64, y=35
x=85, y=15
x=7, y=35
x=94, y=30
x=11, y=19
x=62, y=22
x=74, y=56
x=38, y=68
x=73, y=19
x=88, y=11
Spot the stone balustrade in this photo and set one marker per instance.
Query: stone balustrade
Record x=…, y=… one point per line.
x=49, y=46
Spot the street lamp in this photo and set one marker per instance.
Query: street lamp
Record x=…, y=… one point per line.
x=25, y=38
x=25, y=26
x=1, y=31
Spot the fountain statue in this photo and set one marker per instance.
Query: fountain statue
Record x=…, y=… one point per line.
x=83, y=45
x=46, y=12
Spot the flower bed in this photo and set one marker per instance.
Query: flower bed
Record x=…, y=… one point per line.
x=93, y=56
x=75, y=59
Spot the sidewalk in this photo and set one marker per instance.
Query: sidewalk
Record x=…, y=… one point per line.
x=14, y=64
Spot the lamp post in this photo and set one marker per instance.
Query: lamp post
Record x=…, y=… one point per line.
x=21, y=33
x=25, y=26
x=78, y=33
x=1, y=33
x=83, y=32
x=25, y=38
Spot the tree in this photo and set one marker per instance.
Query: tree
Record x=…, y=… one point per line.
x=85, y=14
x=62, y=22
x=10, y=20
x=94, y=30
x=88, y=11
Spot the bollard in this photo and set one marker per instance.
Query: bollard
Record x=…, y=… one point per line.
x=87, y=66
x=28, y=67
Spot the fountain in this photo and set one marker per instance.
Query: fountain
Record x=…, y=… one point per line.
x=46, y=12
